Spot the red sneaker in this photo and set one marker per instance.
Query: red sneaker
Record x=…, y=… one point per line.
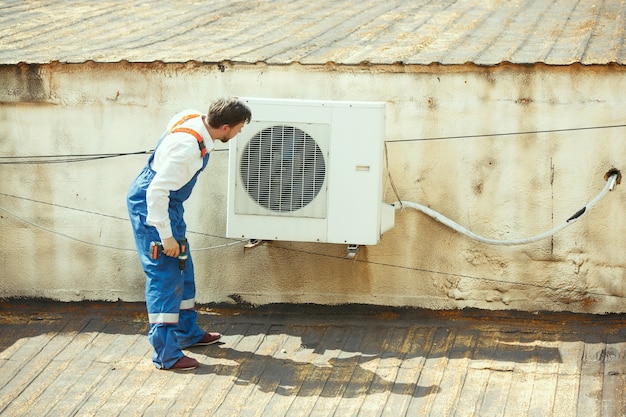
x=208, y=339
x=185, y=364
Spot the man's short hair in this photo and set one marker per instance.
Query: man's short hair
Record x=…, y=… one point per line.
x=229, y=111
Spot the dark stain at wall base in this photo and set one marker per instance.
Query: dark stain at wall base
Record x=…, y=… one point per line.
x=30, y=84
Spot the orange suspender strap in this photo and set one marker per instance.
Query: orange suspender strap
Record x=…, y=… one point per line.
x=195, y=134
x=184, y=119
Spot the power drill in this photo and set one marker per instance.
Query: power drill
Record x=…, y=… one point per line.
x=156, y=249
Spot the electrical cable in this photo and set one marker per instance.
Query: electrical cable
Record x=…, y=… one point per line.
x=62, y=234
x=234, y=242
x=447, y=274
x=530, y=132
x=61, y=159
x=610, y=184
x=393, y=185
x=53, y=159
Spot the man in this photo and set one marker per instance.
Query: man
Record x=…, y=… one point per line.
x=155, y=206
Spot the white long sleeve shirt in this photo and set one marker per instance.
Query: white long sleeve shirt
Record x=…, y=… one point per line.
x=176, y=161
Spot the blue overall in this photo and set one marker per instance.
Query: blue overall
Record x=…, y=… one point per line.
x=170, y=293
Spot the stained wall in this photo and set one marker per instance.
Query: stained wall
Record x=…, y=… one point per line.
x=507, y=151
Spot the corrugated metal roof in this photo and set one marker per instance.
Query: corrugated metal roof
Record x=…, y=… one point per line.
x=555, y=32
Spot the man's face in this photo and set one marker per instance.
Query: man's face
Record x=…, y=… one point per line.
x=229, y=132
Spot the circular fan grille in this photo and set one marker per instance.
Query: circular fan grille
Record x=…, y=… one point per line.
x=282, y=168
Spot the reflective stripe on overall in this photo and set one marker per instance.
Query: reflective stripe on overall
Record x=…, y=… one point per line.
x=170, y=293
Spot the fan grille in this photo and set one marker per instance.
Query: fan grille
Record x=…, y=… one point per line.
x=282, y=168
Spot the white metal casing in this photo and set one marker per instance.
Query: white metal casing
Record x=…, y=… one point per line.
x=348, y=206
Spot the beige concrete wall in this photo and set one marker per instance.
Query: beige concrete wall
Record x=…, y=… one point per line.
x=498, y=186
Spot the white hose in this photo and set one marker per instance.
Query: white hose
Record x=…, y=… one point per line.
x=610, y=183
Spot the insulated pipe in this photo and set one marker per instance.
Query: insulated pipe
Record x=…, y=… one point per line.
x=612, y=177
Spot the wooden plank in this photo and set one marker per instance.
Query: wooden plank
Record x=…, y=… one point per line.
x=294, y=367
x=523, y=378
x=72, y=399
x=591, y=378
x=187, y=392
x=28, y=400
x=14, y=335
x=144, y=386
x=83, y=370
x=124, y=353
x=11, y=364
x=432, y=372
x=274, y=364
x=210, y=382
x=455, y=373
x=498, y=388
x=343, y=366
x=310, y=390
x=15, y=347
x=325, y=350
x=225, y=365
x=614, y=380
x=139, y=381
x=170, y=386
x=39, y=371
x=125, y=348
x=544, y=386
x=190, y=385
x=374, y=374
x=416, y=346
x=473, y=390
x=571, y=349
x=258, y=348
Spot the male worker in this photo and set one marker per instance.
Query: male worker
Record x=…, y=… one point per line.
x=155, y=205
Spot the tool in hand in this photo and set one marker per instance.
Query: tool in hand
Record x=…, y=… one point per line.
x=183, y=254
x=156, y=249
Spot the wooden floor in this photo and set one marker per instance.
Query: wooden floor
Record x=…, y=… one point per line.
x=87, y=359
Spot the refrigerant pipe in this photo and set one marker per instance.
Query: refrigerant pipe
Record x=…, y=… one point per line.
x=612, y=178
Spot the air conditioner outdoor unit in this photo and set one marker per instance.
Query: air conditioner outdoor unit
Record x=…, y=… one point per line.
x=309, y=171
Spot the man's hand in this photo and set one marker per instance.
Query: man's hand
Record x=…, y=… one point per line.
x=170, y=247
